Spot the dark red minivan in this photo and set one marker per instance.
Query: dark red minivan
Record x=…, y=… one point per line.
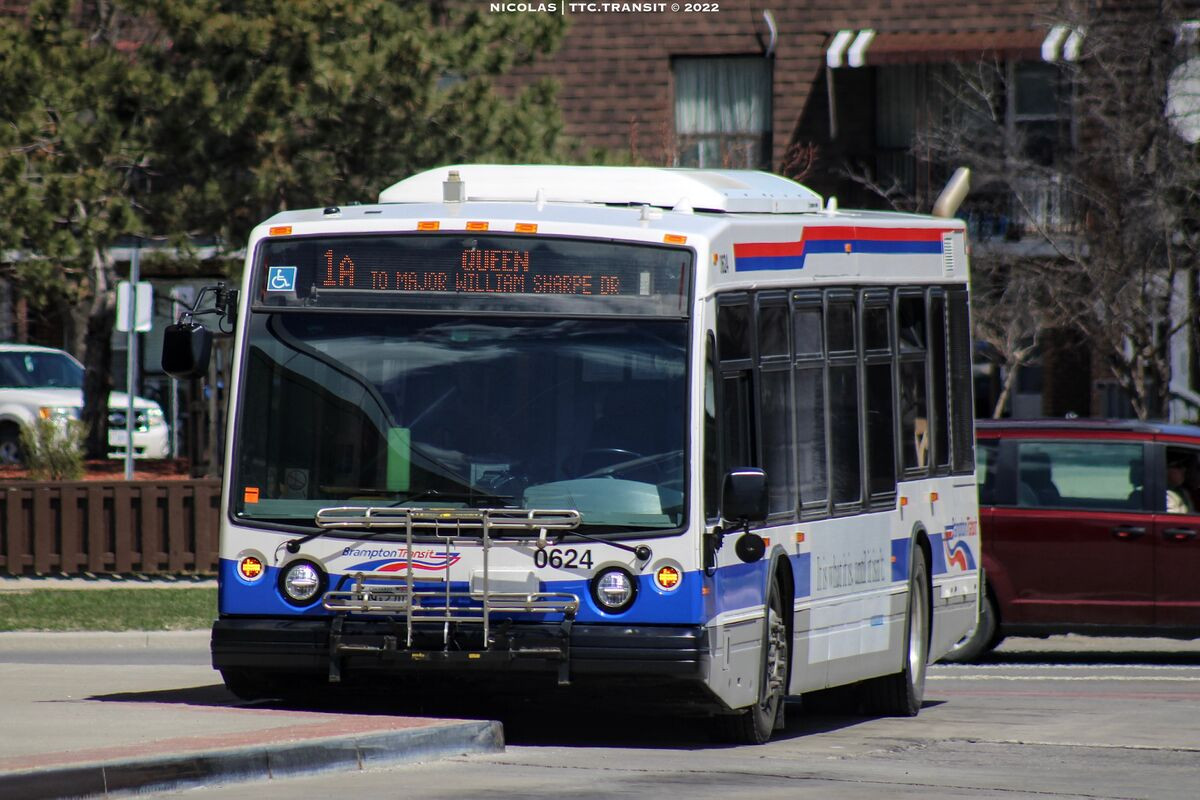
x=1088, y=527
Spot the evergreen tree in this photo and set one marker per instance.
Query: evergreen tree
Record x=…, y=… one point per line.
x=199, y=118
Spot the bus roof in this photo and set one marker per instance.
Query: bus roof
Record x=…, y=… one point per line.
x=728, y=190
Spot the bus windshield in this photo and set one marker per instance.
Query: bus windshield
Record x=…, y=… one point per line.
x=394, y=409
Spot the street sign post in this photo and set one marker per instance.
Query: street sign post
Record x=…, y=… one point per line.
x=135, y=314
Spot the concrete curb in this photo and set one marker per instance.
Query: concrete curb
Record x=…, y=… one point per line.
x=253, y=762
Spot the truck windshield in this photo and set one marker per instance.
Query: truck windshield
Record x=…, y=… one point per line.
x=387, y=409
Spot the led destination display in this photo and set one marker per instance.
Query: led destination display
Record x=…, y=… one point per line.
x=372, y=270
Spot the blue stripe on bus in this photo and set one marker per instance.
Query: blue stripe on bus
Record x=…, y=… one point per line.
x=900, y=548
x=750, y=263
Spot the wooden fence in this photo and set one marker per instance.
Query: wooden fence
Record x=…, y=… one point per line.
x=147, y=527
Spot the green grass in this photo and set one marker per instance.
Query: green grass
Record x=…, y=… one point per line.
x=108, y=609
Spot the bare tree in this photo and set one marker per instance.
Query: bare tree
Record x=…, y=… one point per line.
x=1103, y=195
x=1011, y=307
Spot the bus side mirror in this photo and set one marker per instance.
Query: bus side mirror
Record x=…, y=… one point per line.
x=186, y=347
x=744, y=495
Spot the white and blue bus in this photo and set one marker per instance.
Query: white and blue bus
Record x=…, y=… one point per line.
x=688, y=433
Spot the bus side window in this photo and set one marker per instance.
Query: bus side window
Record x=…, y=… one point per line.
x=841, y=334
x=735, y=414
x=939, y=393
x=774, y=371
x=808, y=329
x=878, y=402
x=962, y=401
x=914, y=413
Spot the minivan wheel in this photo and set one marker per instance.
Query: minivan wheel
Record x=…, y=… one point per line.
x=981, y=639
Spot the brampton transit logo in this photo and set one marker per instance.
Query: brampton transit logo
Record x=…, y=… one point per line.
x=958, y=553
x=398, y=560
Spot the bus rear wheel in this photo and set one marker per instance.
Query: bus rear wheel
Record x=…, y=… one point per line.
x=902, y=693
x=754, y=725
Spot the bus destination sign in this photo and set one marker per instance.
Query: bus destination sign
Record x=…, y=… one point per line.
x=346, y=270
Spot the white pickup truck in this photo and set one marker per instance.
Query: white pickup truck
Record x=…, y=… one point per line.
x=41, y=382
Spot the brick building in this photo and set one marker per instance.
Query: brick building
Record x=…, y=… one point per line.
x=742, y=85
x=835, y=94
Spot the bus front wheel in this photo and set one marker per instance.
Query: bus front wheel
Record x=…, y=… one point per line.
x=754, y=725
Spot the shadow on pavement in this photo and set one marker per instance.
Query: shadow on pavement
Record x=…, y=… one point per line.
x=554, y=720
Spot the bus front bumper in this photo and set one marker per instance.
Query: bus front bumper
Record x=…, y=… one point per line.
x=339, y=646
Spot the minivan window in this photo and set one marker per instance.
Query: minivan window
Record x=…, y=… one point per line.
x=1099, y=475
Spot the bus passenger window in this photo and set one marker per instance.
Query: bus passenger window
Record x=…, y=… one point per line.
x=914, y=418
x=778, y=461
x=809, y=337
x=810, y=436
x=911, y=323
x=881, y=447
x=737, y=429
x=843, y=426
x=733, y=331
x=962, y=401
x=772, y=330
x=914, y=401
x=940, y=399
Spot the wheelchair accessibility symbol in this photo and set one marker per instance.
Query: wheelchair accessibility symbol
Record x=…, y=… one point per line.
x=281, y=279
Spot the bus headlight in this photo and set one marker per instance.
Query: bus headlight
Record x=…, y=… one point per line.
x=614, y=590
x=301, y=581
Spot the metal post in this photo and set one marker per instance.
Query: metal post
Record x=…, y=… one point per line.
x=131, y=358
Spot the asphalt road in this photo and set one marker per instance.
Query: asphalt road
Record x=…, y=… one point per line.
x=1068, y=717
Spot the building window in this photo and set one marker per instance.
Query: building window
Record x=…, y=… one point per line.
x=1020, y=109
x=723, y=112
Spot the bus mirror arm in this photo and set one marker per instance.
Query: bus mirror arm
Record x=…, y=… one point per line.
x=750, y=547
x=224, y=302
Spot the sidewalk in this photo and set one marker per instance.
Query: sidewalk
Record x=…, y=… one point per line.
x=100, y=714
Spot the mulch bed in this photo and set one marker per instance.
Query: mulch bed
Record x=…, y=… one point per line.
x=114, y=470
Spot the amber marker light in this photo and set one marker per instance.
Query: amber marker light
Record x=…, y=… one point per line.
x=800, y=537
x=903, y=502
x=428, y=225
x=668, y=578
x=280, y=230
x=674, y=238
x=933, y=496
x=250, y=568
x=525, y=227
x=477, y=226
